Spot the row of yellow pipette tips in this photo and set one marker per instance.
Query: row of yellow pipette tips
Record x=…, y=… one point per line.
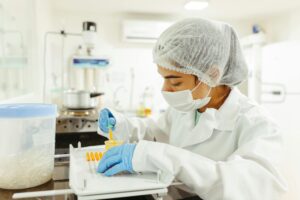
x=93, y=158
x=96, y=156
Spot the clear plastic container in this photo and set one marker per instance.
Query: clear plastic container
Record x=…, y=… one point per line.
x=27, y=144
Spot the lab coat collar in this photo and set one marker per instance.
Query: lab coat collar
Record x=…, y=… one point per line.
x=227, y=114
x=222, y=119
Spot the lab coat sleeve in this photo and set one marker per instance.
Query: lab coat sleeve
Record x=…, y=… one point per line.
x=250, y=173
x=135, y=129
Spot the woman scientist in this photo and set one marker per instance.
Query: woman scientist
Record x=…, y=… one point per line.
x=216, y=141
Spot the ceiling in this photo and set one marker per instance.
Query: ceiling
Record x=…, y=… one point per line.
x=218, y=9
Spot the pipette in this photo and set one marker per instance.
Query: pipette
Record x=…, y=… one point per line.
x=110, y=133
x=111, y=142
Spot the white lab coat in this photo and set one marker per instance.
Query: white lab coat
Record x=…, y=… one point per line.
x=232, y=153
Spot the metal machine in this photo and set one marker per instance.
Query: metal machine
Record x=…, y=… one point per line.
x=78, y=91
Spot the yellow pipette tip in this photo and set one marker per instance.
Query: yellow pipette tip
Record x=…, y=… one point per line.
x=100, y=155
x=88, y=156
x=92, y=156
x=97, y=156
x=110, y=134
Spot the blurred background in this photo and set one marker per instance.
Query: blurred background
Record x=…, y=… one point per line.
x=100, y=52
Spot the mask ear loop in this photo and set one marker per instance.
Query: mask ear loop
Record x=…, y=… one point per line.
x=208, y=92
x=198, y=86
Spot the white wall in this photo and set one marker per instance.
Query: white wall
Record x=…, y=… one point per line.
x=283, y=27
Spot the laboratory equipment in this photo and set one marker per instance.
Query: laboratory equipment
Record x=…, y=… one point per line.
x=146, y=103
x=110, y=143
x=107, y=121
x=77, y=120
x=93, y=159
x=84, y=72
x=80, y=99
x=89, y=62
x=89, y=33
x=74, y=125
x=74, y=83
x=91, y=183
x=105, y=188
x=27, y=143
x=94, y=156
x=15, y=47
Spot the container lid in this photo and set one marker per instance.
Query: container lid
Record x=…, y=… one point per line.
x=27, y=110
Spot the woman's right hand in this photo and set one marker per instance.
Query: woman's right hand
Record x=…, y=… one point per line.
x=106, y=120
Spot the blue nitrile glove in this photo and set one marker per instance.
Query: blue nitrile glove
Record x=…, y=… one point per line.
x=117, y=159
x=106, y=120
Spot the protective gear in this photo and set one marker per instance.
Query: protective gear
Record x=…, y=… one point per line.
x=235, y=147
x=106, y=120
x=117, y=159
x=183, y=100
x=207, y=49
x=197, y=116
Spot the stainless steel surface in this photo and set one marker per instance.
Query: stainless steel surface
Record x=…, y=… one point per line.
x=61, y=172
x=74, y=121
x=72, y=125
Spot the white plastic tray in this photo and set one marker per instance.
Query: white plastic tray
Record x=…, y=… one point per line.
x=84, y=179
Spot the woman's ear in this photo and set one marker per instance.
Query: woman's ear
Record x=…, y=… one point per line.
x=196, y=80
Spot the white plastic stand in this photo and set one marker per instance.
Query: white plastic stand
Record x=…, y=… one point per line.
x=89, y=185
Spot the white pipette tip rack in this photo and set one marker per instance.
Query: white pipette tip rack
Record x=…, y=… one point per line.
x=85, y=180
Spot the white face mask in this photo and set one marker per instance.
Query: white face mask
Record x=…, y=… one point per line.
x=183, y=100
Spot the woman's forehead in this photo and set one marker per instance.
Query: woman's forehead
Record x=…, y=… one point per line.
x=164, y=71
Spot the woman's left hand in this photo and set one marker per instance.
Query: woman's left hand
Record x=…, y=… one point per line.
x=117, y=159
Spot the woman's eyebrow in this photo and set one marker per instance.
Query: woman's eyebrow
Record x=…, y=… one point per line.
x=172, y=76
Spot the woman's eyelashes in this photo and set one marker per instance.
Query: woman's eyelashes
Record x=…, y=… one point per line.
x=176, y=84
